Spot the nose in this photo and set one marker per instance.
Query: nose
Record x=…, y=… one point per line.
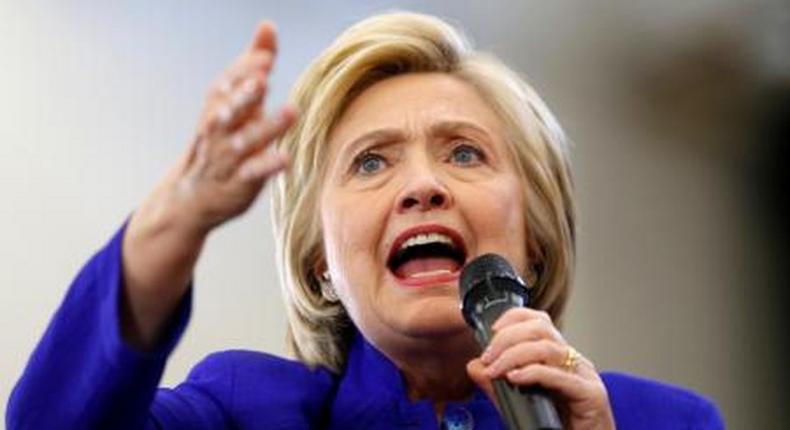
x=423, y=192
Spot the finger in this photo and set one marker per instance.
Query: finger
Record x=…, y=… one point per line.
x=249, y=64
x=257, y=62
x=226, y=156
x=476, y=371
x=260, y=167
x=569, y=385
x=268, y=160
x=543, y=352
x=247, y=100
x=259, y=134
x=265, y=38
x=515, y=315
x=524, y=331
x=244, y=102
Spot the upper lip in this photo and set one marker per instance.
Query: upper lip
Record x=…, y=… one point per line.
x=458, y=241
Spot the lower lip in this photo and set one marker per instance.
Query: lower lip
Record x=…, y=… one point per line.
x=429, y=281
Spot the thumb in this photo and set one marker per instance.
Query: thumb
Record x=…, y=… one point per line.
x=476, y=370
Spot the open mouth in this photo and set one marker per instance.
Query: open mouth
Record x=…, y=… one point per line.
x=426, y=251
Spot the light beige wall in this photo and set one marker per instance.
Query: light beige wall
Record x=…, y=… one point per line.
x=97, y=99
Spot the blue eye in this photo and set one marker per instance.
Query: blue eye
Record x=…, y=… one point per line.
x=466, y=154
x=369, y=163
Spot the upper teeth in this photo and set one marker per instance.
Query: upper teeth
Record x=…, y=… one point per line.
x=422, y=239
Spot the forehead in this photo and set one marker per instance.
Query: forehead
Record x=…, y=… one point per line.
x=411, y=102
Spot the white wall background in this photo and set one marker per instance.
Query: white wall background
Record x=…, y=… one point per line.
x=97, y=98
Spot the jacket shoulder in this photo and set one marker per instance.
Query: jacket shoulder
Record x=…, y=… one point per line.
x=246, y=362
x=642, y=403
x=253, y=388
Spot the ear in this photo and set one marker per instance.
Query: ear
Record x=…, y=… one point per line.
x=326, y=289
x=321, y=270
x=535, y=264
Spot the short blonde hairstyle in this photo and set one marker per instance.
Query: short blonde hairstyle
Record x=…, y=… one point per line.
x=375, y=49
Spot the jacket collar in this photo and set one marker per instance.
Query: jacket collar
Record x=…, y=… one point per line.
x=371, y=393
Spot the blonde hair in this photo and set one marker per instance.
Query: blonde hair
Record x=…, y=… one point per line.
x=383, y=46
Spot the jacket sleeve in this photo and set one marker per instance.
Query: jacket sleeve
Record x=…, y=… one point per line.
x=82, y=374
x=640, y=403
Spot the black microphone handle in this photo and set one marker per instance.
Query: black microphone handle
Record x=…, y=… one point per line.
x=536, y=410
x=523, y=408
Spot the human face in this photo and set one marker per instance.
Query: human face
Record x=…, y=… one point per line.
x=416, y=154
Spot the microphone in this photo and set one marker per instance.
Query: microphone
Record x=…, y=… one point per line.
x=488, y=287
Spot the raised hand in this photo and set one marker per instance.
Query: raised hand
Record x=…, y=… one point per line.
x=228, y=162
x=218, y=178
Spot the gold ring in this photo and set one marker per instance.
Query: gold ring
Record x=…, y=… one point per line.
x=571, y=359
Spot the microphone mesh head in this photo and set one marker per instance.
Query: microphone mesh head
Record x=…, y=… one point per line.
x=484, y=267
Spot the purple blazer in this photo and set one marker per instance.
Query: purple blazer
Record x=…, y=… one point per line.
x=82, y=375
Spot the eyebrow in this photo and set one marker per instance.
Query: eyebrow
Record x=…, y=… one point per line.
x=454, y=126
x=381, y=136
x=442, y=128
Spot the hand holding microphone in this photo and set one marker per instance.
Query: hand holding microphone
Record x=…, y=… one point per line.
x=527, y=366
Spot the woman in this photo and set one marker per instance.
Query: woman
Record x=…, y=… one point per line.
x=411, y=155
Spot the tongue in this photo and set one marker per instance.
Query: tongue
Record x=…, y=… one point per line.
x=426, y=265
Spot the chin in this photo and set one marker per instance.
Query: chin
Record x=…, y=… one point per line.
x=432, y=317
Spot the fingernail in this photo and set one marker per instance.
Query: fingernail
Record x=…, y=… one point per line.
x=486, y=357
x=282, y=118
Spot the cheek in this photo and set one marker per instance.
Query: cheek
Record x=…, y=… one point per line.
x=352, y=233
x=497, y=214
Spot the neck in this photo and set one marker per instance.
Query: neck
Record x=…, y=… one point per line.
x=436, y=368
